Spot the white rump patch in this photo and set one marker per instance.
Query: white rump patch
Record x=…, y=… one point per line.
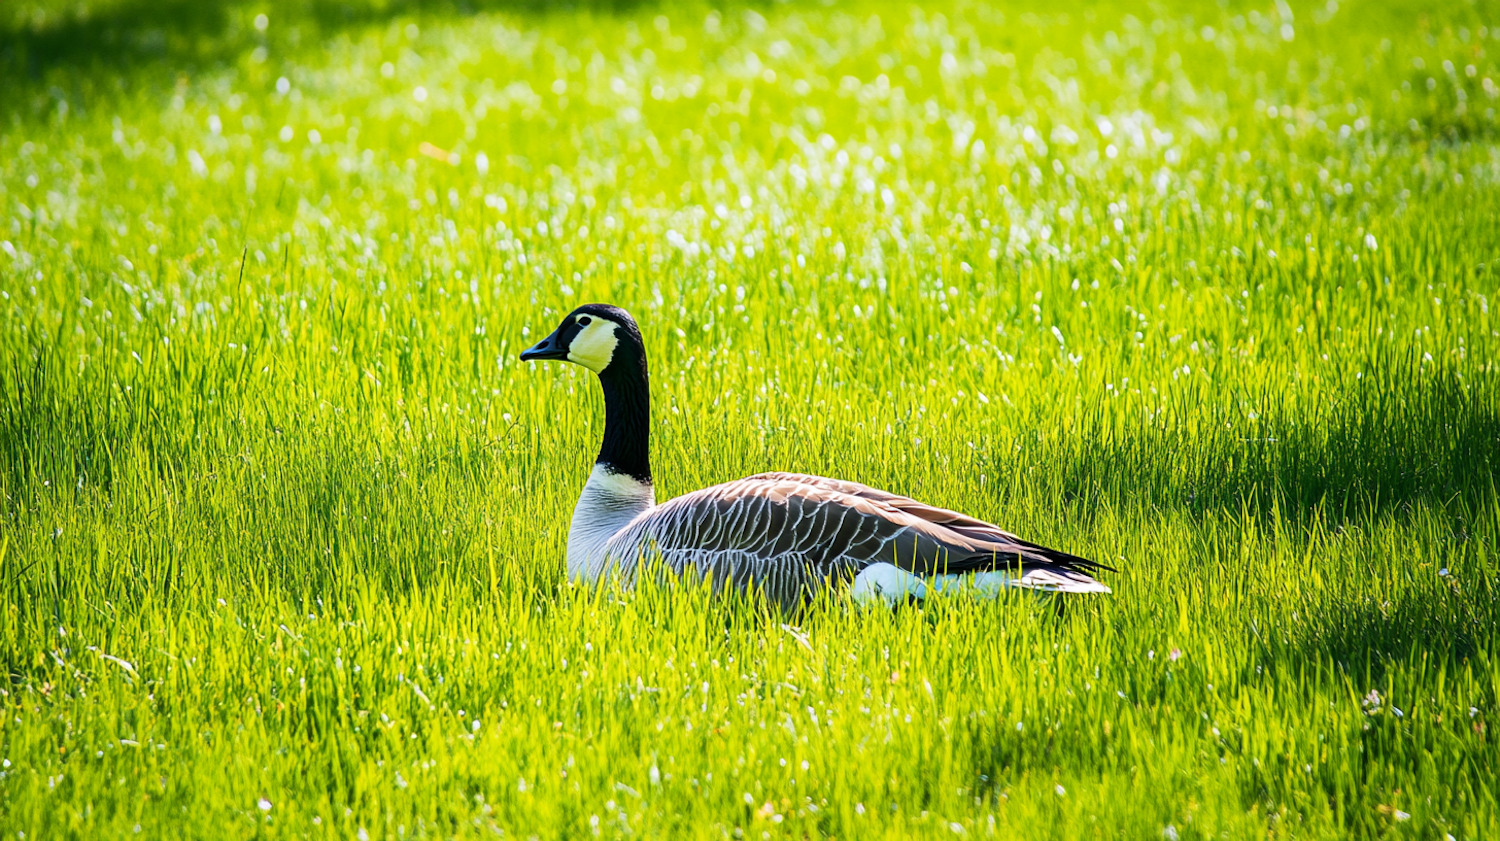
x=1056, y=582
x=888, y=584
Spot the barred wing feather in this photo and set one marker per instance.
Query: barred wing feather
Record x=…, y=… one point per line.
x=790, y=532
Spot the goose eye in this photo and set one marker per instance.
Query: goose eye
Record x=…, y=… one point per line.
x=584, y=321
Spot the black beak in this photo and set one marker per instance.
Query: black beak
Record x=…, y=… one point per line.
x=548, y=348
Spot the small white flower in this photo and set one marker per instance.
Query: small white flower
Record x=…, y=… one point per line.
x=1060, y=790
x=263, y=804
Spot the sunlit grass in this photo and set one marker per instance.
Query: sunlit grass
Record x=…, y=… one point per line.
x=1203, y=293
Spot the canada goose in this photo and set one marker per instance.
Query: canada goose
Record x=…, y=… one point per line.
x=789, y=534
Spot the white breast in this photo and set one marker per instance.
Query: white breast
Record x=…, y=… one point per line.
x=609, y=502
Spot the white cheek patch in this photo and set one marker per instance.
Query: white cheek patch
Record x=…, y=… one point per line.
x=594, y=346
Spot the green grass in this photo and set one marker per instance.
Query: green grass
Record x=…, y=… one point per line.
x=1201, y=291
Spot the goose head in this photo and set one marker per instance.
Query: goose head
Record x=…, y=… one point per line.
x=605, y=340
x=600, y=337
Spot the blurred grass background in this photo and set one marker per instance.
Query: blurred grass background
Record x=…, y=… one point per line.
x=1200, y=291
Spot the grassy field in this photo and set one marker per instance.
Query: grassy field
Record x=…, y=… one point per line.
x=1203, y=291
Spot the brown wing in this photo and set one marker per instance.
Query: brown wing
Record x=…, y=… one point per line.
x=835, y=527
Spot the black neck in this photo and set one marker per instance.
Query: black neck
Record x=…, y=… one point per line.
x=627, y=419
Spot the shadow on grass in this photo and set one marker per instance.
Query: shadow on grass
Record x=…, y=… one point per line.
x=183, y=35
x=1403, y=433
x=1443, y=629
x=1419, y=619
x=1402, y=437
x=1421, y=651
